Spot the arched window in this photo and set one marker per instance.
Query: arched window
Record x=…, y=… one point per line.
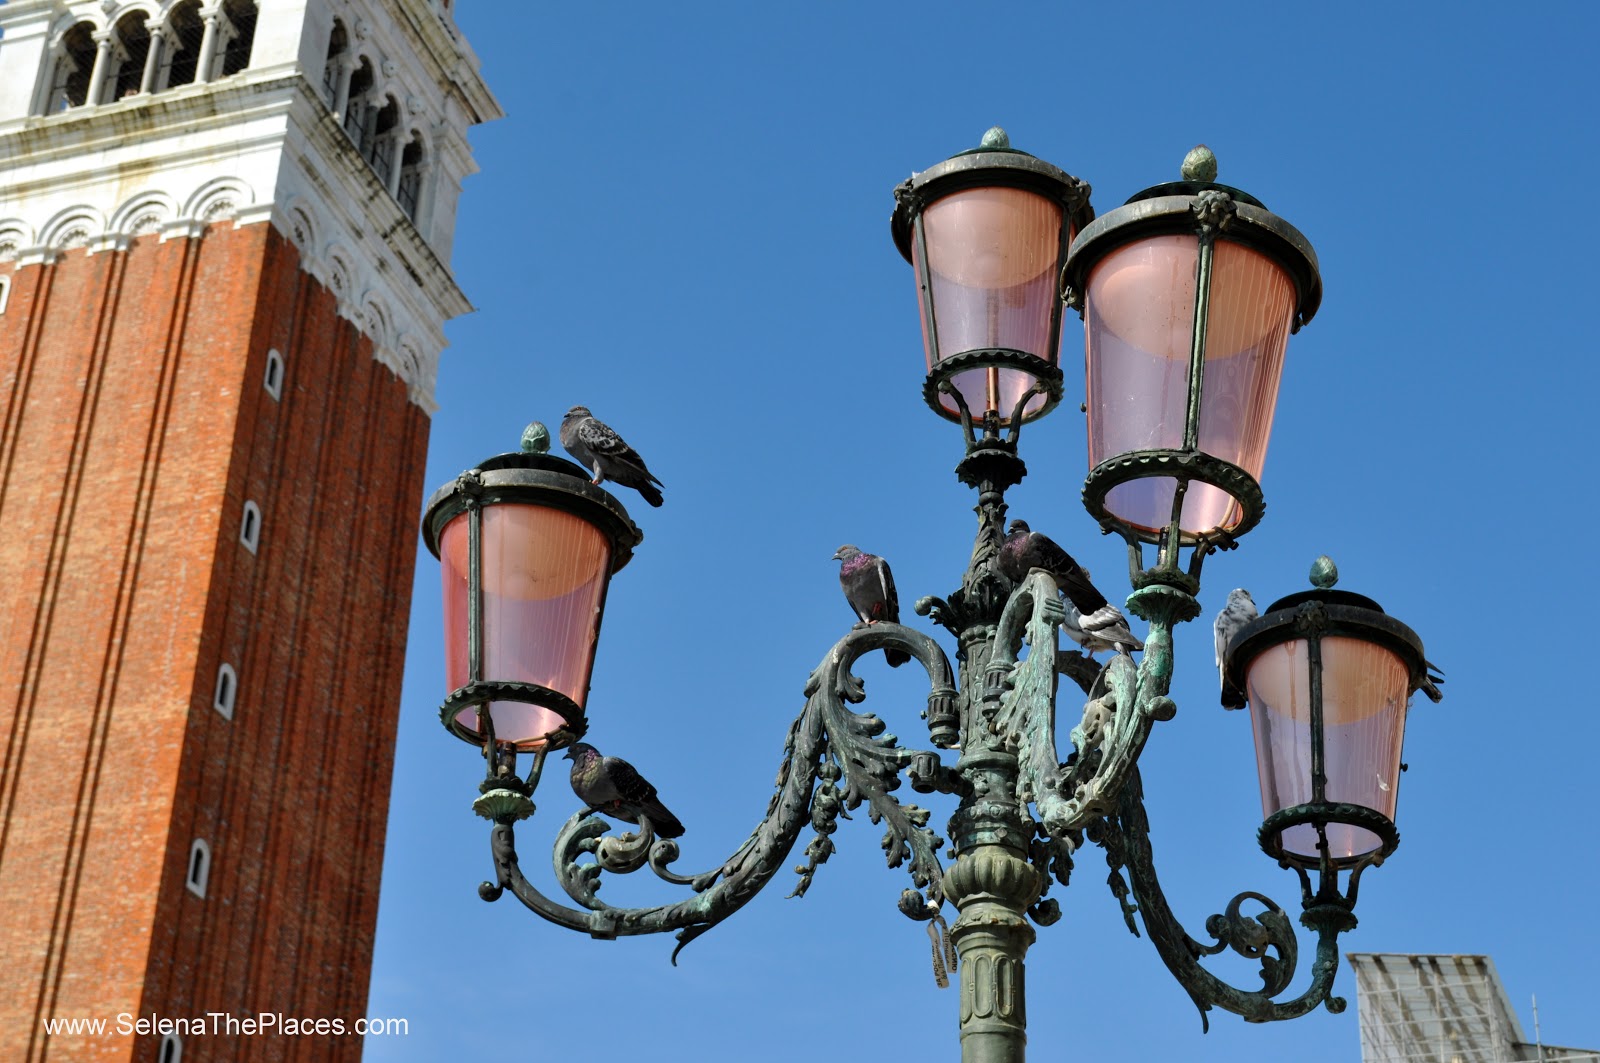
x=70, y=87
x=409, y=191
x=171, y=1049
x=242, y=15
x=250, y=526
x=379, y=147
x=338, y=44
x=226, y=692
x=130, y=49
x=358, y=111
x=273, y=381
x=185, y=33
x=199, y=868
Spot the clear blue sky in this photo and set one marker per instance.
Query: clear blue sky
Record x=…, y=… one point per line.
x=683, y=223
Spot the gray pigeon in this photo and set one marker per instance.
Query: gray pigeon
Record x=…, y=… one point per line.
x=603, y=452
x=869, y=589
x=1104, y=629
x=612, y=786
x=1240, y=610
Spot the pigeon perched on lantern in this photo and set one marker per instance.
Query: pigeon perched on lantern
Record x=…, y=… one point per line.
x=1240, y=610
x=599, y=449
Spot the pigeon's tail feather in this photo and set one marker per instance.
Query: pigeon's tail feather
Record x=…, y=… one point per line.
x=896, y=657
x=652, y=495
x=1232, y=697
x=664, y=823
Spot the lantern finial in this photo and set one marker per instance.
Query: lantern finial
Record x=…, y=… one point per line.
x=1200, y=165
x=995, y=139
x=1324, y=573
x=536, y=439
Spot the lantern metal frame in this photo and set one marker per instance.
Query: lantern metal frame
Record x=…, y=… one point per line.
x=994, y=165
x=1208, y=211
x=526, y=479
x=1313, y=616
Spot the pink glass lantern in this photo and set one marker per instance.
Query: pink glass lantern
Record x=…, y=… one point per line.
x=1189, y=293
x=986, y=233
x=527, y=547
x=1329, y=677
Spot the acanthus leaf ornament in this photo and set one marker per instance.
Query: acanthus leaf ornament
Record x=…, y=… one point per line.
x=1213, y=210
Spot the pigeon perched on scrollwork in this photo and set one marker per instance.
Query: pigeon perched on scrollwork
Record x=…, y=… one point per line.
x=603, y=452
x=1092, y=622
x=869, y=589
x=610, y=785
x=1104, y=629
x=1240, y=610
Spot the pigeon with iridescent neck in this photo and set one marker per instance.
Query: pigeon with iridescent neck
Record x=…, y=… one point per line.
x=869, y=589
x=603, y=452
x=611, y=785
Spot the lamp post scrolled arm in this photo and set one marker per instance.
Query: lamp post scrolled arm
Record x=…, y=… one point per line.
x=834, y=760
x=1266, y=936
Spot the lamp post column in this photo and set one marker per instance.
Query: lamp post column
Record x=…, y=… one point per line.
x=992, y=885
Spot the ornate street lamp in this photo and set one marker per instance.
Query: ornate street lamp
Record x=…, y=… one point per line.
x=1189, y=292
x=527, y=547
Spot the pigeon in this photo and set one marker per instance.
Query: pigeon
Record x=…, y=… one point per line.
x=869, y=588
x=603, y=452
x=612, y=786
x=1104, y=629
x=1025, y=550
x=1240, y=610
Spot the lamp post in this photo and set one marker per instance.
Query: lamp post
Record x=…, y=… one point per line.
x=1189, y=294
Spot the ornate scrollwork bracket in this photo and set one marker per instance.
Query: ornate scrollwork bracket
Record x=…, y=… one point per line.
x=835, y=760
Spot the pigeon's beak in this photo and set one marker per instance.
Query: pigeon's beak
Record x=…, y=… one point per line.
x=569, y=754
x=837, y=556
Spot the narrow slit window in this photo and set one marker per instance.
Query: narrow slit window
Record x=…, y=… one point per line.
x=250, y=527
x=226, y=691
x=199, y=867
x=5, y=292
x=171, y=1049
x=274, y=378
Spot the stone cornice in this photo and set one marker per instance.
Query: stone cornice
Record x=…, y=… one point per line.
x=263, y=147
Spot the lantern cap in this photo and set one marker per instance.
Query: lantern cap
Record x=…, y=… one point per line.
x=993, y=162
x=1199, y=174
x=1188, y=205
x=1324, y=612
x=533, y=478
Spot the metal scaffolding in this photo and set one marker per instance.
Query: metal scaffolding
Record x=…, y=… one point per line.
x=1418, y=1008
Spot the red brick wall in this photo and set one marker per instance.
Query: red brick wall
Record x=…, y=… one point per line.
x=133, y=427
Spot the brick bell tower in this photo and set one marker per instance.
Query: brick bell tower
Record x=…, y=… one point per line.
x=225, y=229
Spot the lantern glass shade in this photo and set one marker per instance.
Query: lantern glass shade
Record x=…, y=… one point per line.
x=1139, y=330
x=544, y=578
x=1365, y=688
x=993, y=258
